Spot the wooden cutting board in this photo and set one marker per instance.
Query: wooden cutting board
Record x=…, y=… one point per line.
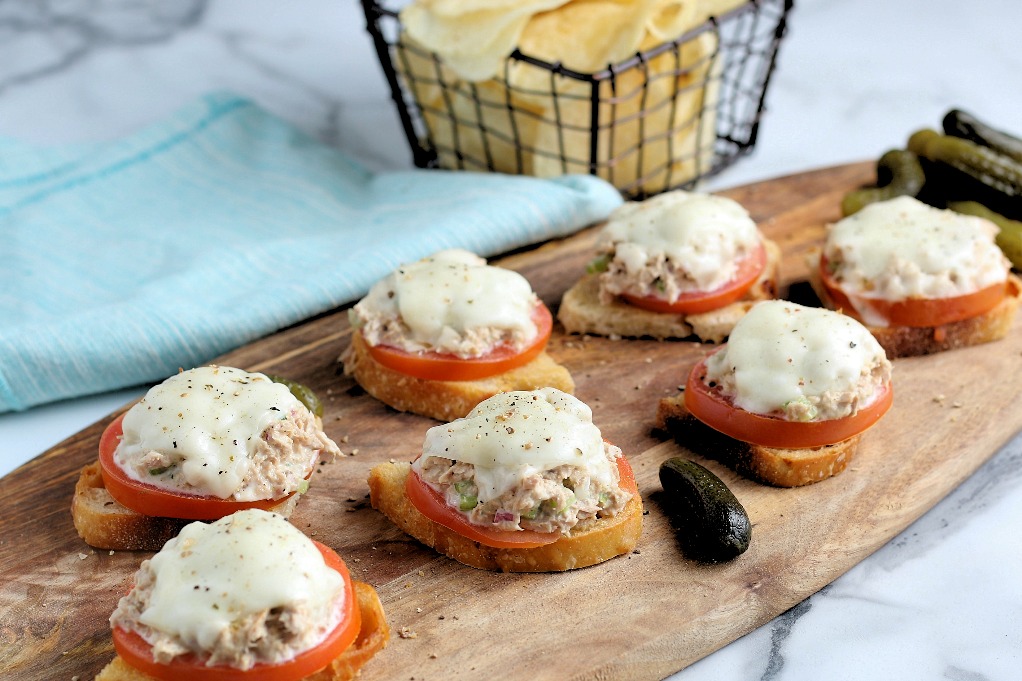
x=640, y=616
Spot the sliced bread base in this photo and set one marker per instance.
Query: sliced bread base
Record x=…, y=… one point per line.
x=770, y=465
x=372, y=637
x=582, y=312
x=590, y=542
x=105, y=524
x=446, y=400
x=913, y=341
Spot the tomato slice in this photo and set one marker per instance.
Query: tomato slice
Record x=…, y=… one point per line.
x=136, y=652
x=151, y=500
x=436, y=366
x=712, y=408
x=432, y=504
x=919, y=312
x=693, y=302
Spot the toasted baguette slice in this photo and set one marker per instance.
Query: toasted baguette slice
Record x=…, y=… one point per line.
x=372, y=637
x=446, y=400
x=590, y=542
x=770, y=465
x=912, y=341
x=582, y=312
x=105, y=524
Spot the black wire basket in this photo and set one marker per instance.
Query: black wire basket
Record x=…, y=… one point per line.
x=663, y=119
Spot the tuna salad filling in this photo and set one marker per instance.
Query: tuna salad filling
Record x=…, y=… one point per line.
x=450, y=303
x=674, y=243
x=270, y=636
x=379, y=328
x=280, y=460
x=802, y=363
x=552, y=500
x=658, y=276
x=247, y=589
x=829, y=404
x=903, y=248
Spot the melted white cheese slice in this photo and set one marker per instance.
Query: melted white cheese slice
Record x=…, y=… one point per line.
x=453, y=291
x=904, y=248
x=702, y=234
x=211, y=418
x=781, y=352
x=514, y=434
x=211, y=575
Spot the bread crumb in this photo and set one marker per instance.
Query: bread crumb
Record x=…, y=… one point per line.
x=939, y=399
x=421, y=573
x=418, y=610
x=956, y=405
x=354, y=451
x=432, y=656
x=111, y=552
x=82, y=556
x=345, y=438
x=405, y=632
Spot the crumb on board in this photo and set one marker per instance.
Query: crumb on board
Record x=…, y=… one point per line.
x=405, y=632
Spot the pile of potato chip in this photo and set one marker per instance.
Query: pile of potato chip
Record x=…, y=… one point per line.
x=655, y=119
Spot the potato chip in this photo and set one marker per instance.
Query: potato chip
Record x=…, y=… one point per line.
x=655, y=126
x=474, y=37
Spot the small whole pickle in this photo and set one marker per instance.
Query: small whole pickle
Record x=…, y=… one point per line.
x=991, y=168
x=1009, y=238
x=961, y=124
x=899, y=173
x=712, y=524
x=304, y=394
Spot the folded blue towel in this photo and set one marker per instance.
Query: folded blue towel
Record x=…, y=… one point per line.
x=123, y=261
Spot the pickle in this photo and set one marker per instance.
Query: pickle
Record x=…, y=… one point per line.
x=713, y=525
x=302, y=393
x=995, y=170
x=961, y=124
x=899, y=173
x=1009, y=238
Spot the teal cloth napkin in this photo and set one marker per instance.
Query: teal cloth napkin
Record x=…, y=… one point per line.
x=125, y=260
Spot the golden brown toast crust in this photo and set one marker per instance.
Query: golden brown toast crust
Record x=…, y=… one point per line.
x=446, y=400
x=372, y=637
x=105, y=524
x=590, y=542
x=908, y=341
x=770, y=465
x=582, y=312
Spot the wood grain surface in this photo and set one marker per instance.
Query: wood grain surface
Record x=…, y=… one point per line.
x=640, y=616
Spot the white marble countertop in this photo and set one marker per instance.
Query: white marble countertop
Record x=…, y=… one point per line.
x=941, y=601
